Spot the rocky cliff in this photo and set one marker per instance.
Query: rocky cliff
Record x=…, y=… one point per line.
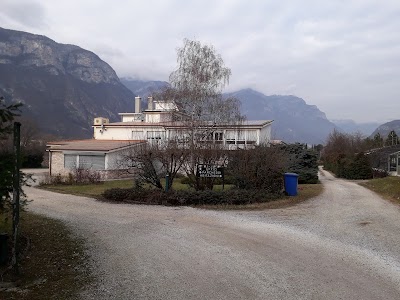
x=63, y=87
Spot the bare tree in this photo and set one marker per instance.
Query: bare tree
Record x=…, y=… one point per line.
x=198, y=82
x=196, y=87
x=152, y=161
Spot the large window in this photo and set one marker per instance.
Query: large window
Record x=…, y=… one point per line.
x=84, y=161
x=70, y=161
x=155, y=135
x=95, y=162
x=241, y=137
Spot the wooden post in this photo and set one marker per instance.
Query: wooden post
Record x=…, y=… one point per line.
x=16, y=190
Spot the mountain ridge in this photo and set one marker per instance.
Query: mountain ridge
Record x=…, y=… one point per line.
x=64, y=86
x=294, y=119
x=385, y=128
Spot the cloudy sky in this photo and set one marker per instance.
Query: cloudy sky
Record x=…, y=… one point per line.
x=341, y=55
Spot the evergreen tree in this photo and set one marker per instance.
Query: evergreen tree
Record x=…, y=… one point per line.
x=392, y=139
x=7, y=114
x=378, y=140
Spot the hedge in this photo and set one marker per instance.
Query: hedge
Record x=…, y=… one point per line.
x=189, y=197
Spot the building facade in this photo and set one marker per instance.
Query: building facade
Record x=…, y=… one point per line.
x=161, y=121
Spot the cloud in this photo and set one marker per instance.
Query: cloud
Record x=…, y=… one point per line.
x=23, y=14
x=342, y=56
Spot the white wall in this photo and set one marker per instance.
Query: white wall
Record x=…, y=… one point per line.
x=153, y=118
x=262, y=136
x=164, y=105
x=265, y=134
x=131, y=117
x=124, y=133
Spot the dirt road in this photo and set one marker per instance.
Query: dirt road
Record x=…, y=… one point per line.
x=344, y=244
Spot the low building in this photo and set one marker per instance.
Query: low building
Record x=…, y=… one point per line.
x=100, y=155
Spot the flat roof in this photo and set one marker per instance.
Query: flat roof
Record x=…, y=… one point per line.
x=184, y=124
x=92, y=145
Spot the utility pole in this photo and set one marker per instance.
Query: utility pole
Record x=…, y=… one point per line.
x=16, y=189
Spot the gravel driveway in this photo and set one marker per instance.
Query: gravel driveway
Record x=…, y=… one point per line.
x=344, y=244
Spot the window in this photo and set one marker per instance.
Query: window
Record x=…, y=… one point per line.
x=155, y=135
x=94, y=162
x=219, y=136
x=70, y=161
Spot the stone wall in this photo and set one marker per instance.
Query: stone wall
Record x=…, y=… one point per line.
x=57, y=164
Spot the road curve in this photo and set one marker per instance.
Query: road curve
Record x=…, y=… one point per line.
x=344, y=244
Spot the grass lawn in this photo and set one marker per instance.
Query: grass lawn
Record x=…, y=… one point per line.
x=95, y=190
x=388, y=187
x=52, y=262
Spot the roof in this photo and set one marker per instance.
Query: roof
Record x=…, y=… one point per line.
x=92, y=145
x=184, y=124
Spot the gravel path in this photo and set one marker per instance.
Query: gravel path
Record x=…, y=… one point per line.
x=344, y=244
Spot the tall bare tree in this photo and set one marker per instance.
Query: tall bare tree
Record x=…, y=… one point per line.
x=196, y=86
x=198, y=82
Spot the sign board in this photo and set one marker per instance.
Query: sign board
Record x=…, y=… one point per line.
x=210, y=171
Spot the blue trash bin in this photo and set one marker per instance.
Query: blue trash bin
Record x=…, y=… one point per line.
x=291, y=180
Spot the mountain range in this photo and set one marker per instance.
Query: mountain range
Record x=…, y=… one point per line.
x=349, y=126
x=63, y=87
x=386, y=128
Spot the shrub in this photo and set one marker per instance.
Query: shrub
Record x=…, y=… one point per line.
x=260, y=168
x=189, y=197
x=379, y=173
x=78, y=176
x=303, y=162
x=82, y=175
x=32, y=160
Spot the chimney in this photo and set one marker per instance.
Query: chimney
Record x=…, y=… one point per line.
x=150, y=103
x=138, y=105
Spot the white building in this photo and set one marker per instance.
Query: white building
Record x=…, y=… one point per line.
x=162, y=120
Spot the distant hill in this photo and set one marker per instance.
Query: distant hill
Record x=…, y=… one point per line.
x=385, y=128
x=143, y=88
x=295, y=120
x=349, y=126
x=63, y=87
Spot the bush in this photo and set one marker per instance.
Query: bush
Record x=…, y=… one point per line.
x=303, y=162
x=351, y=167
x=82, y=175
x=79, y=176
x=379, y=173
x=260, y=168
x=189, y=197
x=32, y=160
